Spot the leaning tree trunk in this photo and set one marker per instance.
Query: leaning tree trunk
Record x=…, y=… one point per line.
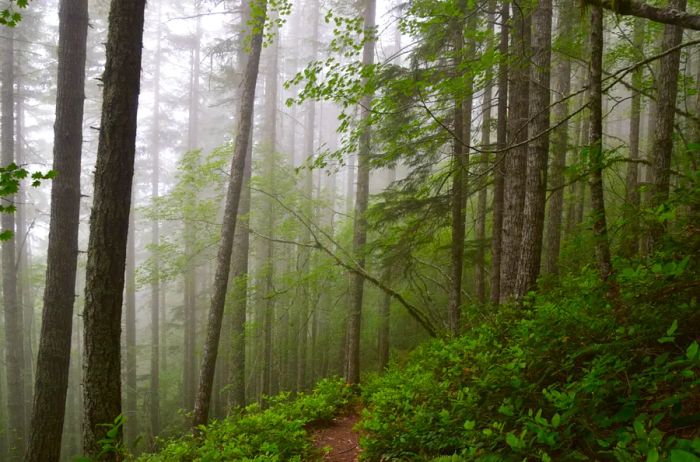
x=14, y=349
x=233, y=196
x=361, y=200
x=662, y=145
x=516, y=157
x=109, y=223
x=538, y=151
x=499, y=167
x=560, y=146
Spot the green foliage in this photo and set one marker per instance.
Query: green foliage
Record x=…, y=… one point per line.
x=278, y=432
x=9, y=16
x=558, y=379
x=10, y=178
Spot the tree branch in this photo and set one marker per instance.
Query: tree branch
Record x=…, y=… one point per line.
x=642, y=10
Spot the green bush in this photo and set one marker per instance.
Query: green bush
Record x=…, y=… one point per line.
x=276, y=433
x=560, y=379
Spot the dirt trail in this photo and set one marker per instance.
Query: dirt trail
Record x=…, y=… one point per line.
x=341, y=438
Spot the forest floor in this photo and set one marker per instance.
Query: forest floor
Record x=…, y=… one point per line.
x=340, y=437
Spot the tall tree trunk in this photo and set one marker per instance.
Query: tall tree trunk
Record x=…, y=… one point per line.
x=190, y=279
x=154, y=403
x=131, y=411
x=270, y=143
x=241, y=246
x=538, y=150
x=560, y=145
x=24, y=287
x=361, y=200
x=14, y=348
x=516, y=158
x=600, y=230
x=499, y=166
x=662, y=145
x=460, y=170
x=109, y=222
x=223, y=262
x=630, y=241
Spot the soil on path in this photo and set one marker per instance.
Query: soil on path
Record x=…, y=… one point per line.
x=341, y=438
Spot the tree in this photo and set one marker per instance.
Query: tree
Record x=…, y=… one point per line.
x=233, y=196
x=538, y=150
x=53, y=359
x=109, y=222
x=14, y=348
x=361, y=200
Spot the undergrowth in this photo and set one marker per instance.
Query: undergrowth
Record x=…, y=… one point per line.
x=279, y=432
x=560, y=379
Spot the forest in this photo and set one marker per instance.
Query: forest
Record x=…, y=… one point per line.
x=350, y=230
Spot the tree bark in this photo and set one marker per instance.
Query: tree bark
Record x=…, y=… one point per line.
x=538, y=150
x=560, y=146
x=109, y=222
x=499, y=165
x=630, y=242
x=662, y=144
x=361, y=200
x=233, y=196
x=516, y=158
x=674, y=15
x=600, y=231
x=14, y=348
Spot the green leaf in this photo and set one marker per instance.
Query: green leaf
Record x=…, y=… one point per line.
x=672, y=330
x=469, y=425
x=679, y=455
x=556, y=420
x=513, y=441
x=653, y=455
x=692, y=351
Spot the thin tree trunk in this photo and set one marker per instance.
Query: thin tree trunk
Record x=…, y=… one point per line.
x=630, y=242
x=131, y=411
x=241, y=246
x=499, y=166
x=155, y=241
x=600, y=231
x=538, y=151
x=361, y=200
x=223, y=262
x=109, y=222
x=662, y=145
x=14, y=348
x=516, y=158
x=190, y=276
x=560, y=146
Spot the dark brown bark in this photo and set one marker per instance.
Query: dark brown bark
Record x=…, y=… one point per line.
x=109, y=222
x=560, y=146
x=14, y=348
x=515, y=158
x=595, y=105
x=538, y=150
x=630, y=241
x=674, y=14
x=499, y=166
x=233, y=196
x=662, y=144
x=359, y=238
